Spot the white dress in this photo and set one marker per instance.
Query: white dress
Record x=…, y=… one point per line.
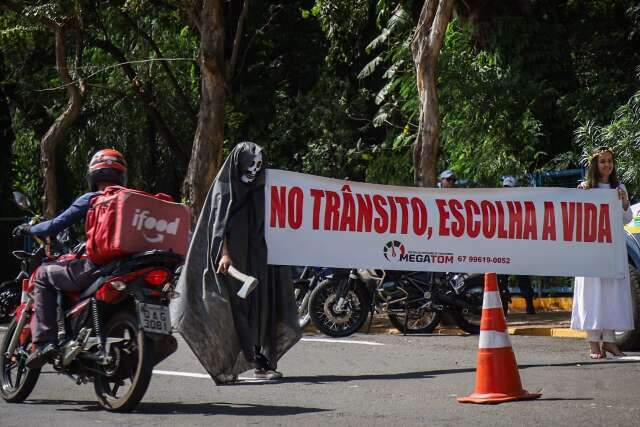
x=603, y=304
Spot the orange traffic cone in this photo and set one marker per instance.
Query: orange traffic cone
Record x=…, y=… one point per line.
x=497, y=377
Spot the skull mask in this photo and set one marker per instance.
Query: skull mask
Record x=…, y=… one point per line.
x=249, y=174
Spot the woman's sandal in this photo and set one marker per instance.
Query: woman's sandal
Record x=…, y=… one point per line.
x=617, y=353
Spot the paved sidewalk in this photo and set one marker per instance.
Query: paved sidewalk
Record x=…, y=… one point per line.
x=543, y=323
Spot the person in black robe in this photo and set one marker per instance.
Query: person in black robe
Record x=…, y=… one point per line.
x=229, y=334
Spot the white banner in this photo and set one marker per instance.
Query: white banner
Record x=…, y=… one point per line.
x=325, y=222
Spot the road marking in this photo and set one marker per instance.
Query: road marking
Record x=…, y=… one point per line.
x=338, y=341
x=205, y=376
x=181, y=374
x=3, y=328
x=253, y=380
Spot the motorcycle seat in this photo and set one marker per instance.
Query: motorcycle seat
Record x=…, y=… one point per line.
x=73, y=297
x=93, y=288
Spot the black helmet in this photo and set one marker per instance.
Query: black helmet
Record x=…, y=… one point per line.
x=107, y=166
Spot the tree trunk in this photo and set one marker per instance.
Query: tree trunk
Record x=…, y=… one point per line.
x=206, y=153
x=56, y=133
x=425, y=47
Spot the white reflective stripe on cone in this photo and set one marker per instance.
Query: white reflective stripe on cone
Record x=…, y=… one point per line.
x=494, y=339
x=491, y=300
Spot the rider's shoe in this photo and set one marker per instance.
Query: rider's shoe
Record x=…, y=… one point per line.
x=42, y=356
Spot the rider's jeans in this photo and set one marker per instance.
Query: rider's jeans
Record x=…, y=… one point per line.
x=70, y=276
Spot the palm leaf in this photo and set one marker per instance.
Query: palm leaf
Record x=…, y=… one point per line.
x=370, y=67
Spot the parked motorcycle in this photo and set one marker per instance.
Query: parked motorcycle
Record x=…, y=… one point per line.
x=415, y=302
x=112, y=334
x=307, y=280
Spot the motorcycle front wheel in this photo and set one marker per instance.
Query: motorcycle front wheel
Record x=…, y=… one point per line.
x=127, y=377
x=328, y=319
x=9, y=300
x=18, y=381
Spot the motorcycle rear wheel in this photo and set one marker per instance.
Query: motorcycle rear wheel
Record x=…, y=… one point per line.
x=133, y=362
x=418, y=323
x=469, y=320
x=16, y=389
x=322, y=309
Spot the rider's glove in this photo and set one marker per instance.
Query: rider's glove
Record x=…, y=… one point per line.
x=21, y=230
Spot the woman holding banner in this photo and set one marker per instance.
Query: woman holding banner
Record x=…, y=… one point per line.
x=601, y=305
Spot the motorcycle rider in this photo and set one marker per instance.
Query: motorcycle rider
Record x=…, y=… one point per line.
x=107, y=167
x=447, y=179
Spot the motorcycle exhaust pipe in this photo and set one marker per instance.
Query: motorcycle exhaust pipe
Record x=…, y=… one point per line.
x=451, y=301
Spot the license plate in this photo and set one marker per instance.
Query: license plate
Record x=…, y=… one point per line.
x=154, y=318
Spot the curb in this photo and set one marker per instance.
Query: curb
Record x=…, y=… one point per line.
x=519, y=304
x=526, y=331
x=547, y=332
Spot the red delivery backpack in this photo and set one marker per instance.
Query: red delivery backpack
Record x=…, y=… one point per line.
x=121, y=221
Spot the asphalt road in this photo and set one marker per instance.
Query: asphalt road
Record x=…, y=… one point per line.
x=381, y=380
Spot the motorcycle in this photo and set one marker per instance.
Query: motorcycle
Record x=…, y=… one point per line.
x=307, y=280
x=112, y=334
x=415, y=302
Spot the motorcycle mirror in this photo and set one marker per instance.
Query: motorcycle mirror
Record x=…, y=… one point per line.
x=21, y=200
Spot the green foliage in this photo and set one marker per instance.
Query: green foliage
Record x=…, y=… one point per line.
x=312, y=133
x=391, y=167
x=25, y=173
x=488, y=128
x=390, y=161
x=488, y=125
x=511, y=89
x=113, y=115
x=329, y=87
x=299, y=98
x=622, y=134
x=343, y=22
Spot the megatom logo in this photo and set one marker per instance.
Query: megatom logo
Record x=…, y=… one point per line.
x=161, y=226
x=393, y=250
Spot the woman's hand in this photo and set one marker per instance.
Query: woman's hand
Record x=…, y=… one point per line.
x=622, y=195
x=224, y=264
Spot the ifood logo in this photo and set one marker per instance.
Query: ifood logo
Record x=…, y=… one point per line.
x=161, y=226
x=393, y=250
